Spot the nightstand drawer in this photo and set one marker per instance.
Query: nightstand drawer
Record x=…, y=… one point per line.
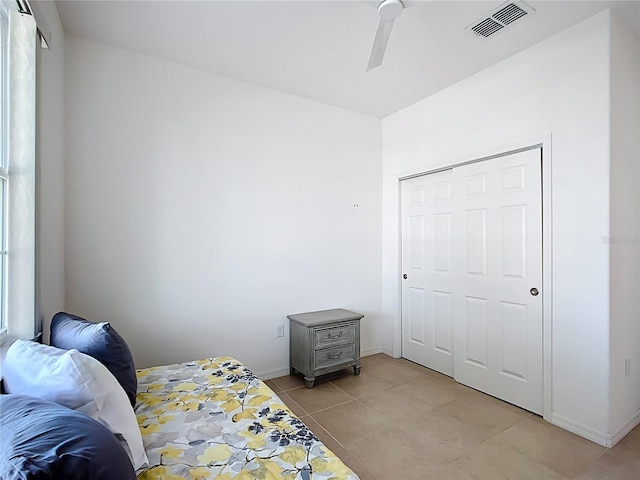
x=340, y=333
x=335, y=355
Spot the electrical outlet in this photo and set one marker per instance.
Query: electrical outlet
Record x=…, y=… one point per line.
x=627, y=367
x=280, y=330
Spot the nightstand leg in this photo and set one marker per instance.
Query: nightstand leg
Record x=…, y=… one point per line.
x=292, y=371
x=308, y=382
x=356, y=369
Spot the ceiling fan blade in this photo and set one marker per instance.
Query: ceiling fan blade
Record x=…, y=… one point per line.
x=380, y=41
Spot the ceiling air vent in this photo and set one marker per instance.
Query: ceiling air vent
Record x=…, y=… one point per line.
x=504, y=15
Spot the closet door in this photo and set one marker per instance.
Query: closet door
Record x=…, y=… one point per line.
x=472, y=256
x=427, y=328
x=498, y=277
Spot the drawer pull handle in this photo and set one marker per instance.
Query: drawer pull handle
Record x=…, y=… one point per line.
x=335, y=336
x=334, y=357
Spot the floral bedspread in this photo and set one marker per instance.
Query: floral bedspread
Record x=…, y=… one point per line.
x=214, y=419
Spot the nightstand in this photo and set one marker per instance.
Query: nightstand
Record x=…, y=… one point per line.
x=324, y=342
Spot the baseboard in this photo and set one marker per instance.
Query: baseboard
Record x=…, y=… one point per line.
x=389, y=351
x=604, y=439
x=269, y=374
x=620, y=434
x=600, y=438
x=375, y=350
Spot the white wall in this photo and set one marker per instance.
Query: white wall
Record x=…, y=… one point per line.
x=200, y=210
x=559, y=87
x=625, y=227
x=50, y=170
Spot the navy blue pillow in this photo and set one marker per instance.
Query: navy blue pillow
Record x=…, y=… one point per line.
x=45, y=440
x=102, y=342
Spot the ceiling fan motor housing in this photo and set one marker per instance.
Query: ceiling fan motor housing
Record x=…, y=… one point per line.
x=390, y=9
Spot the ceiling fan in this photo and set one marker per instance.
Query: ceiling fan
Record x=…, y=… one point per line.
x=388, y=11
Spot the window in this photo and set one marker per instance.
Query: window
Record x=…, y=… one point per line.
x=4, y=187
x=17, y=173
x=4, y=171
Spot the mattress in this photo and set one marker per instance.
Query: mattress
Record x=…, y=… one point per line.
x=214, y=419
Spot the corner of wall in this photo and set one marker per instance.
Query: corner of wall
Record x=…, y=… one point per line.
x=624, y=237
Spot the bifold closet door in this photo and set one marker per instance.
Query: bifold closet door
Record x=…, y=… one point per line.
x=471, y=303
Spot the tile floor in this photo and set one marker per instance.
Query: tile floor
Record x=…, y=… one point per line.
x=400, y=421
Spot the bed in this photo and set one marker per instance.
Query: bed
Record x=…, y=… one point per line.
x=214, y=418
x=78, y=409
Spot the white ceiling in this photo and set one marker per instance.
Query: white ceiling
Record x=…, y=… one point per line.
x=319, y=49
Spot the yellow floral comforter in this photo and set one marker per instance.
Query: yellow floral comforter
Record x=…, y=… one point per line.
x=214, y=419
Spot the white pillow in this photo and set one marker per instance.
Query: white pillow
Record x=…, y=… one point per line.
x=77, y=381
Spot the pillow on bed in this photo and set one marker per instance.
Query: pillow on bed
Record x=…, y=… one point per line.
x=102, y=342
x=77, y=381
x=41, y=439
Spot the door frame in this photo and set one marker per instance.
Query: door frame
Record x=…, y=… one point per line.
x=545, y=143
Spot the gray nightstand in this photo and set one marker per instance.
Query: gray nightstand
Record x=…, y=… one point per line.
x=324, y=342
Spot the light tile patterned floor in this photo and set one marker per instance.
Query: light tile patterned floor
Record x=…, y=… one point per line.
x=400, y=421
